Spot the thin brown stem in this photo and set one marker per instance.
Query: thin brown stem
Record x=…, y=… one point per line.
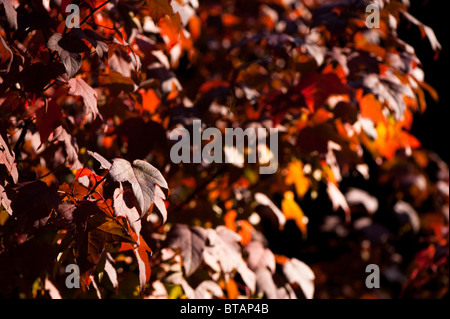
x=93, y=11
x=95, y=186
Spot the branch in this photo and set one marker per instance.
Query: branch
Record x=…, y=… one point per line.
x=93, y=11
x=21, y=139
x=95, y=186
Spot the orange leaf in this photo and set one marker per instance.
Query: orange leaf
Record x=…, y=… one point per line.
x=230, y=220
x=371, y=108
x=229, y=20
x=361, y=43
x=108, y=141
x=292, y=211
x=296, y=176
x=245, y=231
x=210, y=85
x=195, y=25
x=392, y=137
x=150, y=101
x=232, y=289
x=281, y=260
x=321, y=116
x=170, y=29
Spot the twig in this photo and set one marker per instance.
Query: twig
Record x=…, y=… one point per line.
x=95, y=186
x=49, y=86
x=93, y=11
x=202, y=186
x=22, y=137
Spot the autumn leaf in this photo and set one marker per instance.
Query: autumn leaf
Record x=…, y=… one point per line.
x=259, y=257
x=224, y=252
x=207, y=290
x=145, y=181
x=298, y=272
x=150, y=101
x=75, y=215
x=317, y=88
x=11, y=13
x=191, y=242
x=338, y=199
x=70, y=60
x=48, y=119
x=262, y=199
x=97, y=41
x=5, y=54
x=265, y=283
x=292, y=211
x=371, y=108
x=124, y=207
x=425, y=30
x=32, y=202
x=296, y=176
x=143, y=253
x=171, y=29
x=90, y=244
x=79, y=87
x=7, y=158
x=159, y=8
x=60, y=135
x=104, y=163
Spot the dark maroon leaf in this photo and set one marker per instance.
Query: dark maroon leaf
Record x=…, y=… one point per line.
x=32, y=201
x=90, y=245
x=75, y=215
x=38, y=75
x=48, y=118
x=135, y=131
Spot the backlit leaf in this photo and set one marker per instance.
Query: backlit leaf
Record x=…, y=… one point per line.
x=191, y=242
x=292, y=211
x=298, y=272
x=79, y=87
x=144, y=179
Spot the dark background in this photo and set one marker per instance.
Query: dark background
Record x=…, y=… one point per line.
x=432, y=127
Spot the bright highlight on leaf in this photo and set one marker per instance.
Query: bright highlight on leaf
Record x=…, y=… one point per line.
x=292, y=211
x=296, y=176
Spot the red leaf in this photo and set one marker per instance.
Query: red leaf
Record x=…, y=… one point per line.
x=143, y=253
x=48, y=118
x=317, y=88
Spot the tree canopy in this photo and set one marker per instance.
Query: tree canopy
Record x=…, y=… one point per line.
x=86, y=175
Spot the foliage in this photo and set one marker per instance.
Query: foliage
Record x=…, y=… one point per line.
x=86, y=175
